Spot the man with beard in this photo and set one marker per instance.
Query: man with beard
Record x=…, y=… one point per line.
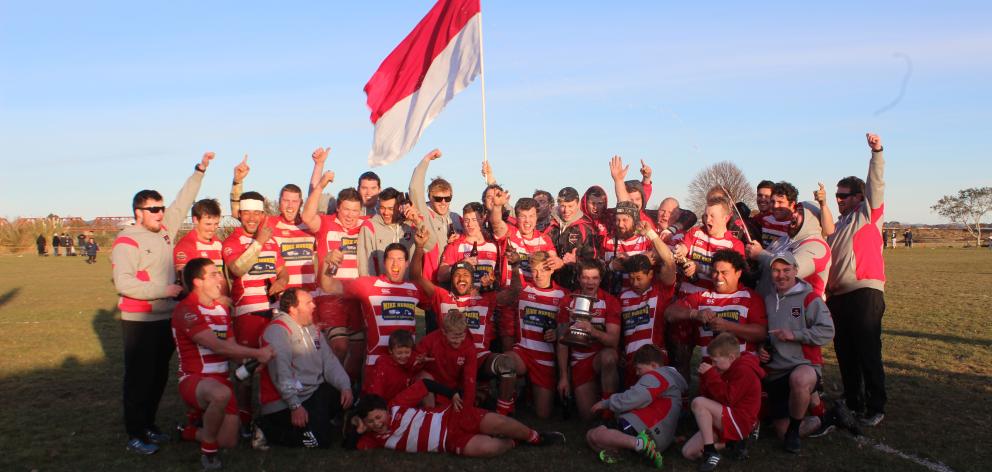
x=631, y=190
x=802, y=240
x=624, y=243
x=593, y=205
x=258, y=273
x=772, y=227
x=855, y=289
x=144, y=276
x=340, y=318
x=478, y=309
x=545, y=203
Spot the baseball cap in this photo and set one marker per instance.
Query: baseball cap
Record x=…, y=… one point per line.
x=568, y=194
x=786, y=257
x=464, y=265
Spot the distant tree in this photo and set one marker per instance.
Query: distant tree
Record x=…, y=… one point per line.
x=725, y=174
x=967, y=208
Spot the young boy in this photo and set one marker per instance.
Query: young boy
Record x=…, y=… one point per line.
x=726, y=409
x=470, y=432
x=391, y=374
x=647, y=413
x=449, y=360
x=91, y=249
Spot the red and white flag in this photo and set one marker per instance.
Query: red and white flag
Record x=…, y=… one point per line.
x=438, y=59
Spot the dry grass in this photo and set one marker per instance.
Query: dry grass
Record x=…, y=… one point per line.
x=60, y=382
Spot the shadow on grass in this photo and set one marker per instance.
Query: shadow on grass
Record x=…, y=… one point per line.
x=69, y=418
x=10, y=295
x=940, y=337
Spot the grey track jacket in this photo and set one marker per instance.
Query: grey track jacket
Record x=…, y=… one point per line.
x=647, y=400
x=806, y=315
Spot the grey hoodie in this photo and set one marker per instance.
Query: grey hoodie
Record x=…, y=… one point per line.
x=857, y=239
x=811, y=251
x=647, y=401
x=806, y=315
x=372, y=243
x=302, y=362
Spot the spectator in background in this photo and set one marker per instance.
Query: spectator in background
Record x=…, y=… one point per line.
x=67, y=243
x=81, y=240
x=91, y=249
x=907, y=238
x=41, y=245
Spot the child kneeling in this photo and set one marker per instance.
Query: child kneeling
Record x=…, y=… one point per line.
x=729, y=400
x=466, y=431
x=646, y=414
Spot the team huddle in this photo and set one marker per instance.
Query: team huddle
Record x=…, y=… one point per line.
x=541, y=303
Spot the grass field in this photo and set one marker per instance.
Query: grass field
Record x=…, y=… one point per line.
x=61, y=373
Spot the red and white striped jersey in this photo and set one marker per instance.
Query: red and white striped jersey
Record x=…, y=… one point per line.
x=190, y=247
x=631, y=246
x=189, y=319
x=514, y=241
x=333, y=235
x=772, y=229
x=606, y=311
x=411, y=429
x=249, y=291
x=537, y=311
x=701, y=247
x=296, y=244
x=744, y=306
x=478, y=311
x=643, y=316
x=386, y=307
x=461, y=248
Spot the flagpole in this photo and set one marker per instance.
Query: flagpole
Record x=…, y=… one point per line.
x=482, y=75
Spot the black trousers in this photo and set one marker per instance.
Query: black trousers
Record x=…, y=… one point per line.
x=323, y=405
x=858, y=342
x=148, y=348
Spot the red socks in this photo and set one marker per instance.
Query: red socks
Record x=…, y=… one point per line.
x=505, y=407
x=188, y=433
x=208, y=448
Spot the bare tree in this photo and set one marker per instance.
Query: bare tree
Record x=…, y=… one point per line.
x=968, y=208
x=724, y=175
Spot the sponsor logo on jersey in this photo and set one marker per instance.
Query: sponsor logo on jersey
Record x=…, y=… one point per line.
x=349, y=245
x=398, y=310
x=544, y=319
x=264, y=266
x=474, y=319
x=636, y=317
x=729, y=315
x=295, y=251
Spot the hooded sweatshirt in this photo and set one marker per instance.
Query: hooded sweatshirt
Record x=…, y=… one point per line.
x=143, y=263
x=803, y=312
x=739, y=388
x=601, y=223
x=653, y=404
x=811, y=251
x=856, y=243
x=372, y=241
x=576, y=232
x=302, y=362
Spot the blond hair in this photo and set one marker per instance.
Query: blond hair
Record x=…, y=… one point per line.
x=724, y=345
x=454, y=322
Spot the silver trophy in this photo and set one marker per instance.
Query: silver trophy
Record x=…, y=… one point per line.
x=580, y=308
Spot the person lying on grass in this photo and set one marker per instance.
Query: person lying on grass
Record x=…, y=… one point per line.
x=647, y=413
x=466, y=431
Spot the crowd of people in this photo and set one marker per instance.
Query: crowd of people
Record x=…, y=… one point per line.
x=86, y=244
x=550, y=301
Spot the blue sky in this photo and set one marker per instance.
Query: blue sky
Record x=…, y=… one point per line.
x=100, y=100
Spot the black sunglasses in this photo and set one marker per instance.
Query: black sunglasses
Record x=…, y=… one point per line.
x=439, y=199
x=157, y=209
x=845, y=195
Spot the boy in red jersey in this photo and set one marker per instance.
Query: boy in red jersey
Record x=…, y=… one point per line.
x=729, y=401
x=201, y=328
x=391, y=374
x=449, y=360
x=472, y=432
x=648, y=411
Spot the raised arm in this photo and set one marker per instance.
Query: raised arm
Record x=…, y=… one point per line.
x=176, y=213
x=487, y=172
x=319, y=157
x=508, y=295
x=646, y=182
x=418, y=182
x=500, y=198
x=666, y=273
x=417, y=264
x=619, y=172
x=826, y=217
x=240, y=174
x=875, y=184
x=309, y=214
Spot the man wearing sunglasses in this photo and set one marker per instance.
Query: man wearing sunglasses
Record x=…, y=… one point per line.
x=855, y=288
x=144, y=276
x=443, y=225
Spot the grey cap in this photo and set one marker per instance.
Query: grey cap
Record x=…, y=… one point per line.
x=784, y=256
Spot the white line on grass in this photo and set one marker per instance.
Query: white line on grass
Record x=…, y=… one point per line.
x=935, y=466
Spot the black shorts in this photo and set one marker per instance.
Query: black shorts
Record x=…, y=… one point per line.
x=623, y=426
x=778, y=391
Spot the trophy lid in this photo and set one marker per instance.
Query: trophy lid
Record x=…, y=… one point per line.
x=581, y=305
